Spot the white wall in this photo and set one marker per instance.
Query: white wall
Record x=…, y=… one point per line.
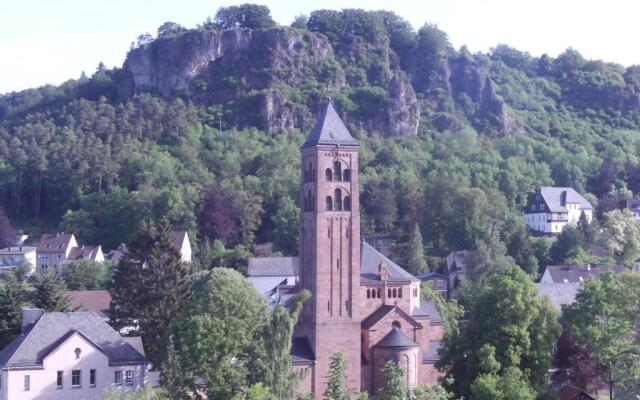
x=43, y=381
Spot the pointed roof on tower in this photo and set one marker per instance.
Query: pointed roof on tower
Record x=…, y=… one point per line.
x=330, y=130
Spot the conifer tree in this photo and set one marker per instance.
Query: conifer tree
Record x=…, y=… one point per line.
x=172, y=375
x=50, y=292
x=416, y=262
x=150, y=286
x=279, y=374
x=393, y=387
x=336, y=386
x=13, y=298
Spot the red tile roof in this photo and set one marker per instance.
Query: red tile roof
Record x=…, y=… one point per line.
x=54, y=243
x=97, y=301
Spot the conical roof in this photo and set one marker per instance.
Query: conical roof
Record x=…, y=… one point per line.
x=330, y=130
x=396, y=338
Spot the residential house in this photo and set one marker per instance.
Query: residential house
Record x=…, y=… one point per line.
x=97, y=301
x=552, y=208
x=91, y=253
x=263, y=249
x=268, y=274
x=575, y=273
x=68, y=356
x=457, y=269
x=560, y=294
x=438, y=282
x=633, y=206
x=569, y=392
x=13, y=257
x=182, y=243
x=53, y=250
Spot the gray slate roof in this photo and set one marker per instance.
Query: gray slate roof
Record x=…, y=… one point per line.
x=577, y=274
x=273, y=266
x=396, y=339
x=431, y=355
x=370, y=260
x=553, y=195
x=428, y=309
x=330, y=130
x=46, y=334
x=559, y=293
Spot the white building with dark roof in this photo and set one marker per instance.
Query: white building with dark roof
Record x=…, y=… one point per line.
x=68, y=356
x=577, y=273
x=552, y=208
x=17, y=256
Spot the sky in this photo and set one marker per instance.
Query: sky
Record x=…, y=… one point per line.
x=50, y=41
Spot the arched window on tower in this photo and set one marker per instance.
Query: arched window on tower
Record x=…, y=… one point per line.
x=368, y=293
x=379, y=293
x=329, y=204
x=309, y=201
x=395, y=293
x=328, y=174
x=396, y=324
x=310, y=174
x=347, y=203
x=346, y=175
x=400, y=292
x=337, y=170
x=338, y=200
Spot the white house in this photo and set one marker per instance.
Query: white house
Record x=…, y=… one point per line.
x=53, y=250
x=69, y=356
x=182, y=243
x=552, y=208
x=273, y=275
x=577, y=274
x=13, y=257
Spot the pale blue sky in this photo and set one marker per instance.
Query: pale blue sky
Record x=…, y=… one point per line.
x=50, y=41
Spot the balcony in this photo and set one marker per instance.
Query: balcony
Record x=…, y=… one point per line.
x=558, y=217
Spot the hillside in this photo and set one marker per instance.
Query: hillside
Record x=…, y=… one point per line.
x=203, y=126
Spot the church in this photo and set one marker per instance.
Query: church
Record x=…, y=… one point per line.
x=363, y=304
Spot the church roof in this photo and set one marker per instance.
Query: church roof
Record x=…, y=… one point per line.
x=301, y=350
x=382, y=312
x=370, y=260
x=396, y=338
x=330, y=130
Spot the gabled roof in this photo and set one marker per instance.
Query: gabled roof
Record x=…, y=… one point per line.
x=425, y=276
x=30, y=347
x=577, y=274
x=569, y=392
x=557, y=197
x=370, y=260
x=382, y=312
x=559, y=293
x=179, y=238
x=54, y=243
x=396, y=339
x=330, y=130
x=97, y=301
x=84, y=253
x=428, y=309
x=273, y=266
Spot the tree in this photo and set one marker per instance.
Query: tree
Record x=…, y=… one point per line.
x=574, y=363
x=252, y=16
x=13, y=297
x=50, y=292
x=511, y=385
x=219, y=339
x=336, y=384
x=86, y=275
x=285, y=226
x=587, y=230
x=172, y=376
x=150, y=287
x=300, y=22
x=393, y=386
x=170, y=29
x=509, y=327
x=604, y=320
x=216, y=219
x=8, y=235
x=278, y=370
x=567, y=244
x=488, y=258
x=414, y=252
x=621, y=234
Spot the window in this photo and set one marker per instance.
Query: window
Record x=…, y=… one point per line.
x=368, y=293
x=400, y=292
x=347, y=203
x=27, y=383
x=396, y=324
x=329, y=204
x=346, y=175
x=415, y=292
x=117, y=379
x=373, y=294
x=92, y=377
x=394, y=293
x=338, y=200
x=310, y=173
x=389, y=292
x=309, y=201
x=328, y=175
x=59, y=381
x=76, y=378
x=44, y=267
x=337, y=170
x=379, y=293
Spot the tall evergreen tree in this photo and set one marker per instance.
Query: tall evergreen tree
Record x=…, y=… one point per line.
x=8, y=235
x=150, y=286
x=279, y=374
x=336, y=385
x=414, y=253
x=393, y=387
x=13, y=297
x=50, y=292
x=173, y=377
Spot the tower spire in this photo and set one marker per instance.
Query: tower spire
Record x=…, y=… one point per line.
x=330, y=130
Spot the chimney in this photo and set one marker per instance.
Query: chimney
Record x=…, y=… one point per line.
x=29, y=317
x=563, y=198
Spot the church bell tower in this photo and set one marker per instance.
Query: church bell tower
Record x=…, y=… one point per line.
x=330, y=247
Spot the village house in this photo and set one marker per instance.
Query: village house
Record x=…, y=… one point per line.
x=13, y=257
x=363, y=304
x=552, y=208
x=456, y=269
x=53, y=250
x=182, y=243
x=576, y=273
x=69, y=356
x=438, y=282
x=96, y=301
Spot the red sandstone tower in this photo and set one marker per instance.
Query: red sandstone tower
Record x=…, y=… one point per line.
x=330, y=248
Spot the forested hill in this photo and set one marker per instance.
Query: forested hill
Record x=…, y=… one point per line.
x=203, y=126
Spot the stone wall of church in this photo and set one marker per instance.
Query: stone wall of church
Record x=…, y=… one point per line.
x=406, y=358
x=306, y=384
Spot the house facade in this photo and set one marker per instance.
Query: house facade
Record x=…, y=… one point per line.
x=363, y=304
x=13, y=257
x=273, y=276
x=438, y=282
x=552, y=208
x=53, y=250
x=456, y=269
x=68, y=356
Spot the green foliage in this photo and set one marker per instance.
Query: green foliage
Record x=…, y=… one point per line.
x=143, y=394
x=510, y=328
x=393, y=385
x=87, y=274
x=510, y=385
x=252, y=16
x=621, y=235
x=286, y=226
x=13, y=297
x=173, y=378
x=336, y=380
x=604, y=320
x=50, y=292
